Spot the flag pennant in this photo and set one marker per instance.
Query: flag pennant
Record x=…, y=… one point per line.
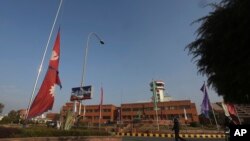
x=118, y=114
x=155, y=96
x=44, y=100
x=205, y=106
x=224, y=106
x=101, y=102
x=231, y=109
x=101, y=97
x=233, y=113
x=185, y=114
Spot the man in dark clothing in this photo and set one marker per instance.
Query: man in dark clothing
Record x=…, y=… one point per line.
x=228, y=122
x=176, y=129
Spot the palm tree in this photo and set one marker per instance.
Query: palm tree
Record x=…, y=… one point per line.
x=222, y=50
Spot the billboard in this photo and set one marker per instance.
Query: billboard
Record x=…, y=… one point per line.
x=81, y=93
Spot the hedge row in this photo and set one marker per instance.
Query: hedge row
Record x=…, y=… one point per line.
x=47, y=132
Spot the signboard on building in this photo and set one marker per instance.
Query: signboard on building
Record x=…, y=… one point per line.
x=81, y=93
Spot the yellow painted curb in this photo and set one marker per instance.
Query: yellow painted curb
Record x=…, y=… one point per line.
x=162, y=135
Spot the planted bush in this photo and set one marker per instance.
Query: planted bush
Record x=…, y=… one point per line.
x=8, y=132
x=47, y=132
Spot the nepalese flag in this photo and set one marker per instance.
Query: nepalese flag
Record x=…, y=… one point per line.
x=233, y=113
x=205, y=106
x=44, y=100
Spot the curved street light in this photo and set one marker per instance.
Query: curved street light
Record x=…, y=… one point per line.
x=86, y=53
x=85, y=62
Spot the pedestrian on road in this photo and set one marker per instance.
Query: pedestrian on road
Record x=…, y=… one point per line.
x=176, y=129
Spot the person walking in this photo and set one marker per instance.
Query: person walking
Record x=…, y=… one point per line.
x=176, y=129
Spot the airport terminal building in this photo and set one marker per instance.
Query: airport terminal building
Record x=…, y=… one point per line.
x=161, y=108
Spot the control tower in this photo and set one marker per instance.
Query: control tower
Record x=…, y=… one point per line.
x=160, y=90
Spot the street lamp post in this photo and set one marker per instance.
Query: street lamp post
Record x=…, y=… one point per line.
x=85, y=62
x=86, y=53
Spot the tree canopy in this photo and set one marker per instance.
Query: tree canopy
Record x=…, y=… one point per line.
x=13, y=117
x=221, y=49
x=1, y=108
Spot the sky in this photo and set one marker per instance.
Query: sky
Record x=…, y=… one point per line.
x=145, y=40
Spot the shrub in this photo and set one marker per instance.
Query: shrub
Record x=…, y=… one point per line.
x=194, y=124
x=9, y=132
x=48, y=132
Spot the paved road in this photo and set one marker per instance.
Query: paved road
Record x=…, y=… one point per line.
x=165, y=139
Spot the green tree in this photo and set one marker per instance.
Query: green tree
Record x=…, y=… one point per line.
x=1, y=108
x=13, y=117
x=222, y=51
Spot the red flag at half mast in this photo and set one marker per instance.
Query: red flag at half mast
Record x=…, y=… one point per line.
x=44, y=100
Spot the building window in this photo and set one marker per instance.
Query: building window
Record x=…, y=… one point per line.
x=106, y=110
x=166, y=108
x=170, y=117
x=135, y=109
x=149, y=109
x=126, y=109
x=185, y=106
x=89, y=111
x=172, y=107
x=151, y=116
x=106, y=117
x=88, y=117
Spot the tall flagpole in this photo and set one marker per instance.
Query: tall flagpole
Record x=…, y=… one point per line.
x=214, y=117
x=212, y=109
x=41, y=65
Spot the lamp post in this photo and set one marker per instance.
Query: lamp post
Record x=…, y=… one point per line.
x=86, y=53
x=85, y=62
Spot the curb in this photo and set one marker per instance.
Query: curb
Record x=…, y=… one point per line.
x=65, y=138
x=171, y=135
